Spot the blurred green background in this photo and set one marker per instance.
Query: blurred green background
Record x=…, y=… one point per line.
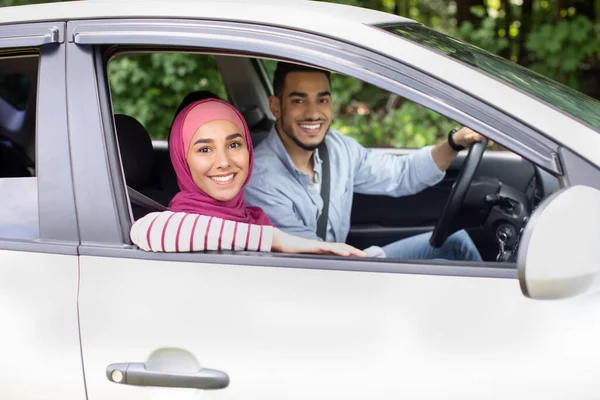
x=559, y=39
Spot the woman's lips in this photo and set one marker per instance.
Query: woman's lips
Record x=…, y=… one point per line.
x=223, y=179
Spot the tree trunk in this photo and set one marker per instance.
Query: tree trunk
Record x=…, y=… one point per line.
x=526, y=18
x=506, y=6
x=401, y=8
x=586, y=8
x=464, y=14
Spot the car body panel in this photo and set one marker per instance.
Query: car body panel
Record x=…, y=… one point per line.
x=322, y=334
x=39, y=339
x=281, y=326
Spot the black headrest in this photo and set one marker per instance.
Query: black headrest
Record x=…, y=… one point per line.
x=137, y=153
x=195, y=96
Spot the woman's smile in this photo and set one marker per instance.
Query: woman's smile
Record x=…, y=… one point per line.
x=223, y=179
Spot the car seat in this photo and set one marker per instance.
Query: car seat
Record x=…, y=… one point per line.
x=137, y=157
x=13, y=163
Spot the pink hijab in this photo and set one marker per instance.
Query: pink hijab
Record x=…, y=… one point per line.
x=191, y=199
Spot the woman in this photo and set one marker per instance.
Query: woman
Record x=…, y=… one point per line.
x=211, y=152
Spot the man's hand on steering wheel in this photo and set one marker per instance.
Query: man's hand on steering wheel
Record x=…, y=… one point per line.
x=465, y=137
x=443, y=154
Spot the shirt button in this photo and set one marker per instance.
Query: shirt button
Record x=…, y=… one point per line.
x=309, y=187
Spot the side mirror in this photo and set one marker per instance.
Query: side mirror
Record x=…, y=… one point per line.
x=559, y=253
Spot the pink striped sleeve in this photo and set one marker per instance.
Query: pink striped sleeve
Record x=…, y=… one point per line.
x=164, y=231
x=193, y=233
x=234, y=233
x=260, y=238
x=247, y=237
x=174, y=232
x=220, y=245
x=206, y=233
x=150, y=231
x=178, y=235
x=267, y=238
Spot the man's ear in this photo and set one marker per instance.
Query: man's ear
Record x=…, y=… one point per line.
x=275, y=106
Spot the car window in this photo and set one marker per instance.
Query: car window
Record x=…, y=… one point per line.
x=18, y=185
x=14, y=89
x=150, y=87
x=377, y=118
x=556, y=94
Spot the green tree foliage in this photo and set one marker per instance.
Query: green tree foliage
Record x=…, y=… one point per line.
x=562, y=50
x=557, y=38
x=151, y=86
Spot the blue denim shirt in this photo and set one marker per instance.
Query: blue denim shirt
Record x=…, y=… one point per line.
x=294, y=203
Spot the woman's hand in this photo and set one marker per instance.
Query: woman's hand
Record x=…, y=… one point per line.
x=286, y=243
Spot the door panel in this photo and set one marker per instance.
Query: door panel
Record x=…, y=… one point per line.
x=285, y=333
x=39, y=339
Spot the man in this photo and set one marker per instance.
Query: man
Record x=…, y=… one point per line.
x=286, y=181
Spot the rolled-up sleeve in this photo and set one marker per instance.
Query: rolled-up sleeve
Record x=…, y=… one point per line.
x=394, y=175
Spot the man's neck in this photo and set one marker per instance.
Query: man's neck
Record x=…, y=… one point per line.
x=302, y=159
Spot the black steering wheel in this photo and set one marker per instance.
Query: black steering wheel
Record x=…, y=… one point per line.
x=458, y=193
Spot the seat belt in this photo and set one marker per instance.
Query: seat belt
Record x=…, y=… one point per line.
x=144, y=201
x=322, y=221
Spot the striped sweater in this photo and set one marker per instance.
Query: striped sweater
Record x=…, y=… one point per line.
x=169, y=231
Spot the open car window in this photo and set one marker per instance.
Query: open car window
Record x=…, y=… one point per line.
x=372, y=116
x=18, y=185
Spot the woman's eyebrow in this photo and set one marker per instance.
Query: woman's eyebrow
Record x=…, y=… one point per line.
x=207, y=140
x=233, y=136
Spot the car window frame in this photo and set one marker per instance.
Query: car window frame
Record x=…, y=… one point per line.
x=58, y=229
x=336, y=55
x=219, y=37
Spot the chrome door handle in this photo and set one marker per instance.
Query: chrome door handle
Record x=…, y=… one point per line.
x=137, y=374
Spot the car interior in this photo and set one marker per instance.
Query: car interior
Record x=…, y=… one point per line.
x=503, y=192
x=18, y=203
x=18, y=87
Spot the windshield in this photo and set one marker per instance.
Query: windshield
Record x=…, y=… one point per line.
x=569, y=100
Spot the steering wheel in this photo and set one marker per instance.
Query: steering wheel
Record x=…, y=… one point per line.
x=458, y=193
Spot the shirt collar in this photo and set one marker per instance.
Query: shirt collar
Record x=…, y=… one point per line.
x=274, y=142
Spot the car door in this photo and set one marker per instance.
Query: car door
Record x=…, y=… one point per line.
x=39, y=339
x=240, y=325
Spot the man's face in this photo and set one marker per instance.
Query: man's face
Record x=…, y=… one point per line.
x=304, y=110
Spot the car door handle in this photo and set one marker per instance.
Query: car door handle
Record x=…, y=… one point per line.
x=137, y=374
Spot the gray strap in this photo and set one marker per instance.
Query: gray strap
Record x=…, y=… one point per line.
x=144, y=201
x=322, y=221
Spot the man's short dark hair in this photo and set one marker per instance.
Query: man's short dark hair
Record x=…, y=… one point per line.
x=284, y=68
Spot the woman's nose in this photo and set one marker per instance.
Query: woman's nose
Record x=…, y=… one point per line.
x=222, y=159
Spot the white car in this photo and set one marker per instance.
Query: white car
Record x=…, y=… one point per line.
x=87, y=315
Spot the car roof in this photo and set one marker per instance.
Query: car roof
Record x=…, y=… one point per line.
x=300, y=14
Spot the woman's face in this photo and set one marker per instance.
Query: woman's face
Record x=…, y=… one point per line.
x=218, y=159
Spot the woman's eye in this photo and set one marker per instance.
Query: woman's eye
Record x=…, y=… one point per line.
x=235, y=145
x=204, y=150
